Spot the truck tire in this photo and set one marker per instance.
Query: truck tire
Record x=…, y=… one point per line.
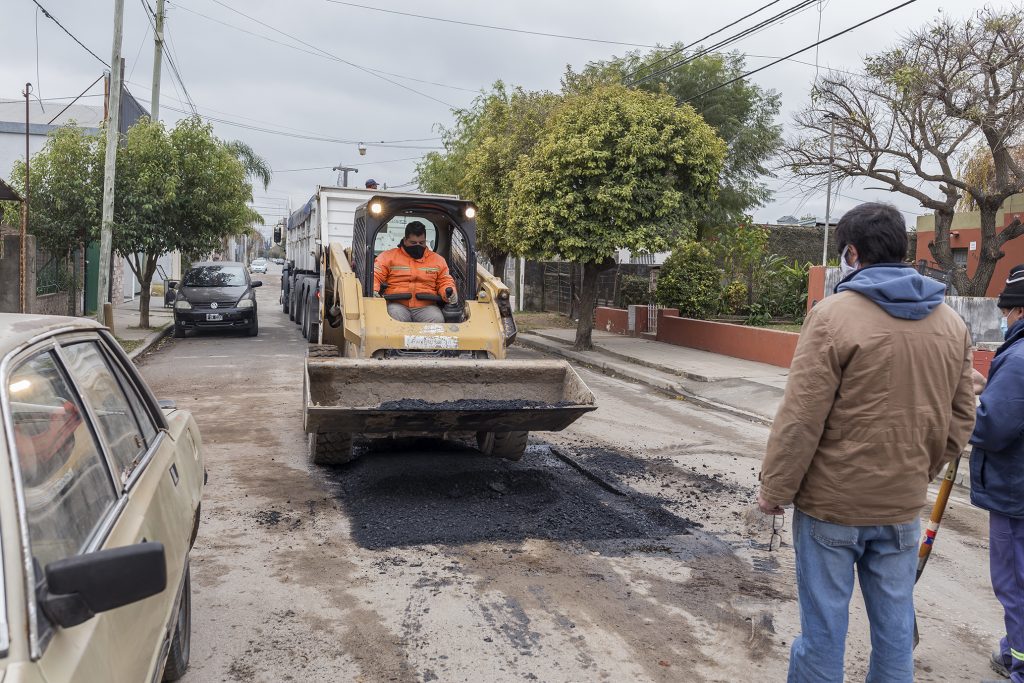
x=293, y=297
x=330, y=448
x=323, y=351
x=311, y=318
x=286, y=291
x=507, y=445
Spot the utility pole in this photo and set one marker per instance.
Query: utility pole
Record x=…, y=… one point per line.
x=828, y=190
x=23, y=255
x=343, y=172
x=158, y=52
x=109, y=167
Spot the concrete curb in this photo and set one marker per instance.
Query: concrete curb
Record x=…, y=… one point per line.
x=550, y=346
x=635, y=361
x=152, y=340
x=631, y=371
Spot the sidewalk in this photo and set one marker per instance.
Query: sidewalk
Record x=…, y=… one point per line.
x=745, y=388
x=126, y=320
x=733, y=385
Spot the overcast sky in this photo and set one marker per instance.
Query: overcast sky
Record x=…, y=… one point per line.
x=241, y=71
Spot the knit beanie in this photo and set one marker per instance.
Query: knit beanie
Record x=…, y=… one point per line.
x=1013, y=293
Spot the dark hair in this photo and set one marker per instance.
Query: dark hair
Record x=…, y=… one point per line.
x=415, y=228
x=876, y=230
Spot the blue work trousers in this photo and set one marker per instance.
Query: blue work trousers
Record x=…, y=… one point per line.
x=1006, y=562
x=885, y=558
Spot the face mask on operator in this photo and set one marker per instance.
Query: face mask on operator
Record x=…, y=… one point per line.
x=416, y=250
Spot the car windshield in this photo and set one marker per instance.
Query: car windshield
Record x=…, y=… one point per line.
x=215, y=276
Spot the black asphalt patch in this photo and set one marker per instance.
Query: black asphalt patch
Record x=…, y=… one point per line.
x=438, y=493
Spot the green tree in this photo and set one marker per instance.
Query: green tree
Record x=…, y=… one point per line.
x=179, y=190
x=614, y=168
x=65, y=200
x=482, y=151
x=742, y=113
x=67, y=193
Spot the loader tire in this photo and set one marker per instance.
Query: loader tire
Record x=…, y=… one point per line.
x=507, y=445
x=330, y=448
x=323, y=351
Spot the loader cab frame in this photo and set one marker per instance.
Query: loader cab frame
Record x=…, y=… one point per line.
x=453, y=236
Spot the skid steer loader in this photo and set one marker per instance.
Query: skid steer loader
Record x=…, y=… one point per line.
x=373, y=376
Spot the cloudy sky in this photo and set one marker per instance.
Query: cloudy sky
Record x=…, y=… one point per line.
x=304, y=81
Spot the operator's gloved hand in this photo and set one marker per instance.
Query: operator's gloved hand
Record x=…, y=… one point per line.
x=450, y=296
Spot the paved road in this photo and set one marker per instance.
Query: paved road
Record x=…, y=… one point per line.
x=636, y=555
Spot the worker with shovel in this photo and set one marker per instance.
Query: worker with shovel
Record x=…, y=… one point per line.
x=879, y=398
x=997, y=475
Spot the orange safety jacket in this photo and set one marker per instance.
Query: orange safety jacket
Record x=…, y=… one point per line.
x=403, y=273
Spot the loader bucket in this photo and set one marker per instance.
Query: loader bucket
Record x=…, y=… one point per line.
x=442, y=395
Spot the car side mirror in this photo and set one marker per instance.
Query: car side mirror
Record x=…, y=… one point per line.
x=256, y=283
x=77, y=588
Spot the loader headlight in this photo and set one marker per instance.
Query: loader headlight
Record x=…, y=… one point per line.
x=376, y=208
x=470, y=212
x=182, y=305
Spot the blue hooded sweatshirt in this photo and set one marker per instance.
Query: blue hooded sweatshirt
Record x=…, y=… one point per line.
x=997, y=461
x=899, y=290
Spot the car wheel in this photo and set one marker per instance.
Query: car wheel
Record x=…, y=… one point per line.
x=178, y=331
x=507, y=445
x=330, y=448
x=254, y=329
x=181, y=644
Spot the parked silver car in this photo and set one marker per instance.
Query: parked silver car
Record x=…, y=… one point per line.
x=100, y=487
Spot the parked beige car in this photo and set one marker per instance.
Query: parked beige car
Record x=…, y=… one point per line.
x=100, y=488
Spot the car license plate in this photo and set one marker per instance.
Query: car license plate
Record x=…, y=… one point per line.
x=214, y=316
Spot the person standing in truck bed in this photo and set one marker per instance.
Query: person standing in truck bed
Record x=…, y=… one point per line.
x=412, y=268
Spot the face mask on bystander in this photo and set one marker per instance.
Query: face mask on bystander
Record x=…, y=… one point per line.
x=845, y=269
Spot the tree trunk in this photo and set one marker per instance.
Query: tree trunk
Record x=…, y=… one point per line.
x=942, y=253
x=498, y=263
x=146, y=282
x=988, y=254
x=588, y=301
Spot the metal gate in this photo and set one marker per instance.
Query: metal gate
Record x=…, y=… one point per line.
x=652, y=318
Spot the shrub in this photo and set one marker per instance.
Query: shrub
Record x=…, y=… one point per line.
x=690, y=281
x=784, y=289
x=634, y=290
x=734, y=297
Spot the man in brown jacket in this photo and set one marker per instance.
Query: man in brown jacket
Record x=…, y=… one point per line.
x=879, y=397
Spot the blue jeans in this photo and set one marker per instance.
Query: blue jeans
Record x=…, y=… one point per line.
x=886, y=562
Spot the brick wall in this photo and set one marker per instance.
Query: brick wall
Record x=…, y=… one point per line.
x=614, y=320
x=739, y=341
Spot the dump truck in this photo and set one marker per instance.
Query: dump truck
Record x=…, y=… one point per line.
x=368, y=375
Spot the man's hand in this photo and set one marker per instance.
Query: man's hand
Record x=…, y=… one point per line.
x=768, y=508
x=979, y=380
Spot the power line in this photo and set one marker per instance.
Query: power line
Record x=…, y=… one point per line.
x=72, y=35
x=756, y=28
x=699, y=40
x=298, y=136
x=804, y=49
x=74, y=100
x=169, y=54
x=489, y=26
x=311, y=134
x=325, y=168
x=334, y=56
x=317, y=54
